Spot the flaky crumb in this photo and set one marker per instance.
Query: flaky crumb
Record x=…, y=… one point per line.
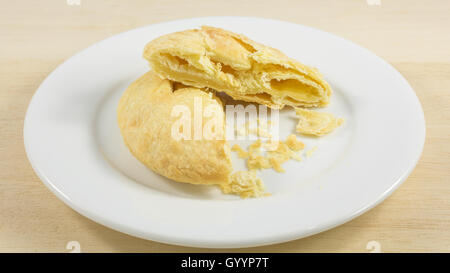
x=294, y=144
x=240, y=152
x=316, y=123
x=278, y=152
x=257, y=162
x=255, y=147
x=276, y=164
x=270, y=145
x=279, y=156
x=245, y=184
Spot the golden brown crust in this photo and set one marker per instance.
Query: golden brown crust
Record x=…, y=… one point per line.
x=246, y=70
x=145, y=121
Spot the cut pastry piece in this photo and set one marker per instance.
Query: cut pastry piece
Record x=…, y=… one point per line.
x=316, y=123
x=145, y=121
x=246, y=70
x=246, y=184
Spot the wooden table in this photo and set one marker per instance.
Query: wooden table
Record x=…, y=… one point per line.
x=414, y=36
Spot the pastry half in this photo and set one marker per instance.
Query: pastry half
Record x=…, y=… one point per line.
x=146, y=121
x=246, y=70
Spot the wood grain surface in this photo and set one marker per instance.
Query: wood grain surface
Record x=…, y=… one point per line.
x=414, y=36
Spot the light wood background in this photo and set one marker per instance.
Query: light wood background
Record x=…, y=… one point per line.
x=414, y=36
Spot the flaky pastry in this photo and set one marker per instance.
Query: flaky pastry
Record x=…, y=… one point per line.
x=145, y=118
x=145, y=121
x=222, y=60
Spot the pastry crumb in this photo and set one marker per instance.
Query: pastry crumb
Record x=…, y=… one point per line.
x=294, y=144
x=255, y=147
x=240, y=152
x=258, y=162
x=316, y=123
x=277, y=153
x=276, y=164
x=245, y=184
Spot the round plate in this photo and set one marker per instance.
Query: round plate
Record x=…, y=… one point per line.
x=74, y=144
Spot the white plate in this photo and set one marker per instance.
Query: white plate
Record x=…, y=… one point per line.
x=74, y=145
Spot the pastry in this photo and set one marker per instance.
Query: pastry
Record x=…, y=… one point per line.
x=222, y=60
x=145, y=120
x=158, y=113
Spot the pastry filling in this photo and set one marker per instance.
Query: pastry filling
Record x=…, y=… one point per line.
x=295, y=90
x=279, y=87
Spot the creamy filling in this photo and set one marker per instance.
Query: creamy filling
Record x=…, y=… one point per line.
x=289, y=90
